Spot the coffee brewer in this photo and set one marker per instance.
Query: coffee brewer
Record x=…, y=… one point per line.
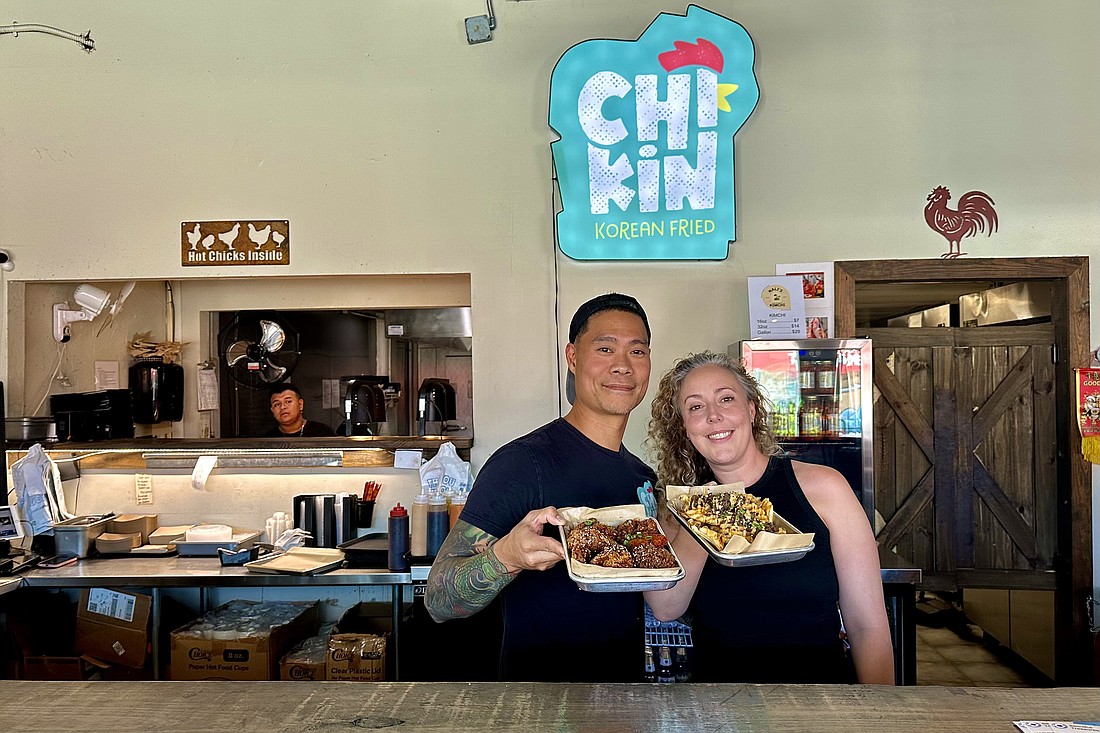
x=364, y=404
x=435, y=405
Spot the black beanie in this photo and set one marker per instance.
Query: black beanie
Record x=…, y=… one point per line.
x=606, y=302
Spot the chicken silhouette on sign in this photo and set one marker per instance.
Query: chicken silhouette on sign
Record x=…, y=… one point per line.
x=259, y=237
x=193, y=237
x=231, y=236
x=975, y=214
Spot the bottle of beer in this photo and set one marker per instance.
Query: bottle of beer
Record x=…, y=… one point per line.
x=650, y=674
x=683, y=671
x=665, y=672
x=826, y=375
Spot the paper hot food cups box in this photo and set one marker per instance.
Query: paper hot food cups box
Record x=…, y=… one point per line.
x=241, y=640
x=764, y=542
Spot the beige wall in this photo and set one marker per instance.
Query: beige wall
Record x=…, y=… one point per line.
x=395, y=148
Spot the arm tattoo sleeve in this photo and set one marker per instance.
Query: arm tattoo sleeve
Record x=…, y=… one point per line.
x=466, y=575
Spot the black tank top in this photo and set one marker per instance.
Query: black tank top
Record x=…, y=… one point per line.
x=772, y=623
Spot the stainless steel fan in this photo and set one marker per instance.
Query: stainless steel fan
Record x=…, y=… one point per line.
x=259, y=349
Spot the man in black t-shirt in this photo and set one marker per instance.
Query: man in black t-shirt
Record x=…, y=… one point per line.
x=553, y=630
x=286, y=406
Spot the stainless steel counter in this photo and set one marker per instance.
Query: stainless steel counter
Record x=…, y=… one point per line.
x=9, y=584
x=187, y=572
x=274, y=707
x=896, y=569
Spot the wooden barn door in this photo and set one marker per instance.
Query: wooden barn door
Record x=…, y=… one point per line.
x=957, y=410
x=965, y=453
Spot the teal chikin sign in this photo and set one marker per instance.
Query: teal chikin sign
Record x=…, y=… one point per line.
x=645, y=157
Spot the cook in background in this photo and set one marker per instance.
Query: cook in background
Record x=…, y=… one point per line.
x=287, y=405
x=552, y=630
x=776, y=622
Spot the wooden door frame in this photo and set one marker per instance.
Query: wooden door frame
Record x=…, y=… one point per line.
x=1070, y=317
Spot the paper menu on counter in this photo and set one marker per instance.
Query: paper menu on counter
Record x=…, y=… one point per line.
x=1049, y=726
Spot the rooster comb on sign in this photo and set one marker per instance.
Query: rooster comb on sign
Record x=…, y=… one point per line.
x=975, y=214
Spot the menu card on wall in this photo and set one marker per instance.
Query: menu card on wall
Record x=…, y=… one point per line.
x=776, y=307
x=817, y=293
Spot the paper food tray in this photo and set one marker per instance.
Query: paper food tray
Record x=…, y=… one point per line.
x=615, y=580
x=298, y=561
x=241, y=538
x=766, y=549
x=749, y=558
x=144, y=551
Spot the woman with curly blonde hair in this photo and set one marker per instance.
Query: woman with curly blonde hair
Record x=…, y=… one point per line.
x=778, y=622
x=678, y=463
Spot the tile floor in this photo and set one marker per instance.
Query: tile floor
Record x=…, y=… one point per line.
x=957, y=655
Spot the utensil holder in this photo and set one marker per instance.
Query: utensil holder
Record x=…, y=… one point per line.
x=364, y=514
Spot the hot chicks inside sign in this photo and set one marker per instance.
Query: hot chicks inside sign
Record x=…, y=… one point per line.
x=645, y=161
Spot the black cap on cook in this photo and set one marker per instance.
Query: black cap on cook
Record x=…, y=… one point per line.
x=606, y=302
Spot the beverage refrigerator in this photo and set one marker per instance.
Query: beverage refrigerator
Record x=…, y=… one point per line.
x=821, y=392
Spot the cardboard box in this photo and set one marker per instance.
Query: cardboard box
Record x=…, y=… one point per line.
x=358, y=649
x=117, y=672
x=252, y=657
x=308, y=660
x=113, y=626
x=61, y=668
x=357, y=657
x=304, y=671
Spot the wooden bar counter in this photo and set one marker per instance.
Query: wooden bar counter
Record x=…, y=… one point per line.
x=272, y=707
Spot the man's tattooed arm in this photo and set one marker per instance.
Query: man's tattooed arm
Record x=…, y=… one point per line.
x=466, y=575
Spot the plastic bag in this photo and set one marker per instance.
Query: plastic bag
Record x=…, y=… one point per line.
x=37, y=484
x=445, y=471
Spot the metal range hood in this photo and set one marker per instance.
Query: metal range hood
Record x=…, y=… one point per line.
x=447, y=327
x=1022, y=301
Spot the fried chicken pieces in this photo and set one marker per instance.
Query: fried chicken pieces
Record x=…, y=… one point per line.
x=635, y=543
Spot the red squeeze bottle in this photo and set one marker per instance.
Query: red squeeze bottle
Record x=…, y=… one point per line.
x=398, y=556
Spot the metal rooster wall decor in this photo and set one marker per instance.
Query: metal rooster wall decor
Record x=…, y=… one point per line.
x=975, y=214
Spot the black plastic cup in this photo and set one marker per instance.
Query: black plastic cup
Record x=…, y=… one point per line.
x=364, y=513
